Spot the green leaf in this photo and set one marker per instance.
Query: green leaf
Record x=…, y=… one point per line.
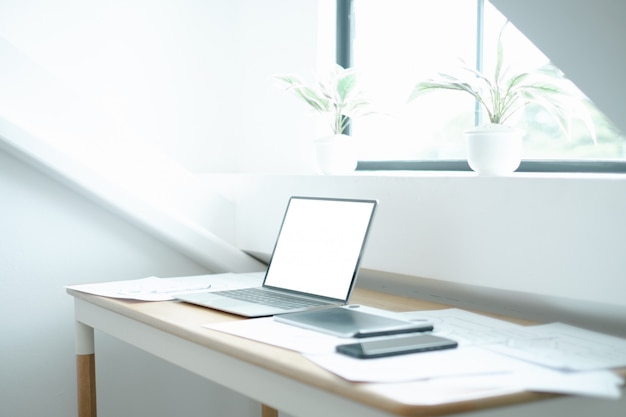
x=337, y=96
x=502, y=96
x=345, y=85
x=313, y=98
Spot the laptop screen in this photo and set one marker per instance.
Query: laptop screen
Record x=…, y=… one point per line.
x=319, y=246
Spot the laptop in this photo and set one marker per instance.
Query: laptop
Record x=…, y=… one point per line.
x=314, y=263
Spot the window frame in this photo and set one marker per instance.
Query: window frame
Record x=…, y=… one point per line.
x=344, y=57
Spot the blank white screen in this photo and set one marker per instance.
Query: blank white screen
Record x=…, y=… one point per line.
x=319, y=246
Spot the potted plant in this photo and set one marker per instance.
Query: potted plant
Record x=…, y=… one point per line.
x=339, y=99
x=495, y=148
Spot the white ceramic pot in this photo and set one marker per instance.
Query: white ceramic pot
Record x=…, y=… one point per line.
x=336, y=154
x=493, y=149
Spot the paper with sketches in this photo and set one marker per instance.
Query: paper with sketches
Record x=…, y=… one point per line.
x=473, y=370
x=470, y=329
x=163, y=289
x=566, y=347
x=486, y=373
x=555, y=345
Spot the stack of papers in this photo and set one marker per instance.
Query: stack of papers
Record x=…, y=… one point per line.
x=494, y=357
x=555, y=345
x=164, y=289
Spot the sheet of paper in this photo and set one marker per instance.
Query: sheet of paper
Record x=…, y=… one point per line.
x=600, y=384
x=470, y=329
x=268, y=330
x=439, y=391
x=555, y=345
x=416, y=366
x=320, y=349
x=562, y=346
x=163, y=289
x=471, y=371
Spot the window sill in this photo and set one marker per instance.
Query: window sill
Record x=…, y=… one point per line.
x=528, y=165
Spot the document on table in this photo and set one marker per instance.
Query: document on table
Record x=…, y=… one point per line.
x=565, y=347
x=555, y=345
x=320, y=348
x=471, y=367
x=474, y=366
x=441, y=390
x=470, y=329
x=163, y=289
x=416, y=366
x=600, y=384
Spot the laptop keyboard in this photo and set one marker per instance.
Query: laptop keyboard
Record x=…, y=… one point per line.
x=270, y=298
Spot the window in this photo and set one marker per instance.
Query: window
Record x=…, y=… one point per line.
x=396, y=43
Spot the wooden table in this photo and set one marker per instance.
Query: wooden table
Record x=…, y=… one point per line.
x=290, y=383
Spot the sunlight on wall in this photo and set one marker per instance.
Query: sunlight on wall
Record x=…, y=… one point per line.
x=156, y=70
x=53, y=112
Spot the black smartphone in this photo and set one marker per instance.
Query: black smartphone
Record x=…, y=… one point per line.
x=396, y=346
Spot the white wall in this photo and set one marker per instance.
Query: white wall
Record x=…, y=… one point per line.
x=52, y=237
x=275, y=130
x=550, y=243
x=178, y=75
x=157, y=69
x=127, y=73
